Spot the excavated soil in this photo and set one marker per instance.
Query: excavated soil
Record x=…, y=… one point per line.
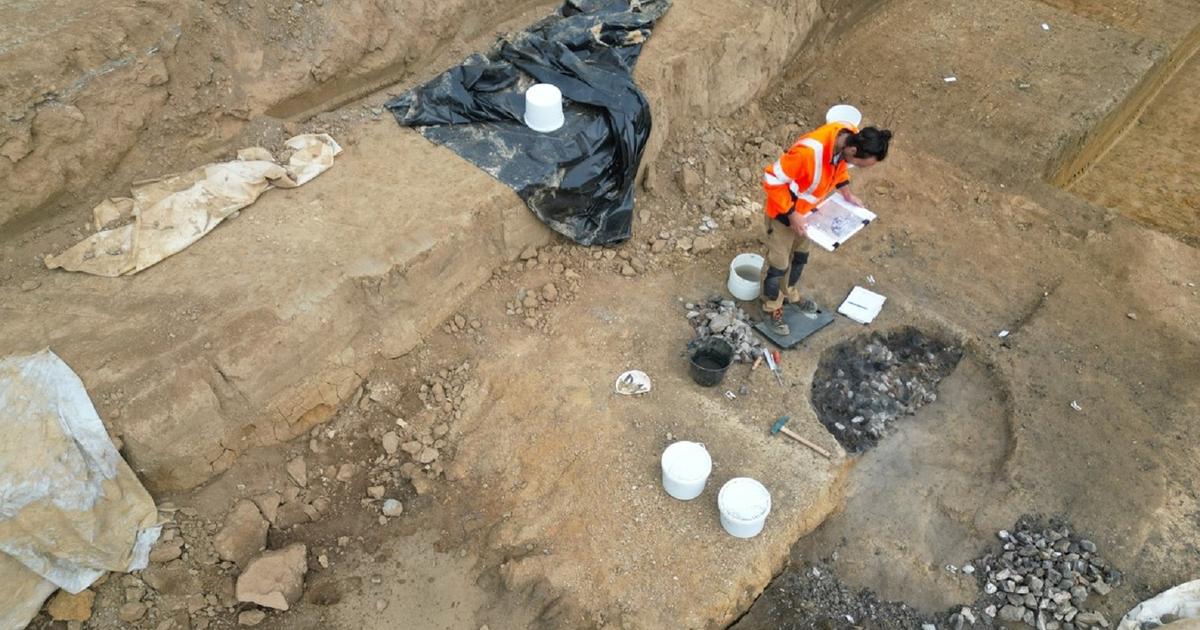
x=531, y=494
x=865, y=385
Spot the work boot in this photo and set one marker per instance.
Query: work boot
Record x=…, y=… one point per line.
x=808, y=307
x=778, y=325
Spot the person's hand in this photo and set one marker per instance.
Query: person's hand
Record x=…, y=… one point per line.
x=851, y=197
x=798, y=227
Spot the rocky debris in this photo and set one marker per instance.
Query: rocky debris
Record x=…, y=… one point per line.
x=702, y=244
x=67, y=607
x=275, y=579
x=460, y=323
x=724, y=318
x=1043, y=575
x=811, y=596
x=689, y=181
x=865, y=384
x=243, y=535
x=251, y=617
x=268, y=505
x=131, y=611
x=166, y=551
x=298, y=471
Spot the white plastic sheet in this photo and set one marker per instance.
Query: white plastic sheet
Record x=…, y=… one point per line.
x=70, y=508
x=1181, y=602
x=171, y=213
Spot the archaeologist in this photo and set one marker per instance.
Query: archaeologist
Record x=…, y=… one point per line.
x=815, y=166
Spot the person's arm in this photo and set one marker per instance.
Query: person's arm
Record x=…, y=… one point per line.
x=843, y=186
x=850, y=196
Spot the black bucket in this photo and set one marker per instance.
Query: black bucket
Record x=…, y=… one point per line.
x=708, y=359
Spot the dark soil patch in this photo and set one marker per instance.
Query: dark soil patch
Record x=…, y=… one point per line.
x=812, y=596
x=863, y=385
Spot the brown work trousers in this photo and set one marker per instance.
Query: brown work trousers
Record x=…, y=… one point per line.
x=782, y=244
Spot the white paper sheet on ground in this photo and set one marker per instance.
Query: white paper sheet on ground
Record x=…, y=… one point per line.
x=862, y=305
x=70, y=508
x=171, y=213
x=835, y=220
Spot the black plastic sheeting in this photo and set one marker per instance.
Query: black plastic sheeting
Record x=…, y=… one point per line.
x=579, y=180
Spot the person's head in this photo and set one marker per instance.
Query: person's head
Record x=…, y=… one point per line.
x=867, y=147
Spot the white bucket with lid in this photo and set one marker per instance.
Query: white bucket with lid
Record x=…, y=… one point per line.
x=685, y=469
x=848, y=114
x=543, y=108
x=744, y=504
x=744, y=273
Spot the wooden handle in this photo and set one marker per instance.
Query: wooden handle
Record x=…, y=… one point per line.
x=822, y=452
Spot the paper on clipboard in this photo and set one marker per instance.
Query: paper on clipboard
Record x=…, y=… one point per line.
x=834, y=221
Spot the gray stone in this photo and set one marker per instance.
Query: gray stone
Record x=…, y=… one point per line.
x=1088, y=546
x=1101, y=587
x=1012, y=613
x=1090, y=619
x=392, y=508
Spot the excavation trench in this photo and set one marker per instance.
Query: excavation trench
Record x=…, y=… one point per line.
x=1138, y=160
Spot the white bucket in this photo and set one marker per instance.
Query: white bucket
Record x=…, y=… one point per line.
x=543, y=108
x=744, y=504
x=744, y=274
x=844, y=114
x=685, y=468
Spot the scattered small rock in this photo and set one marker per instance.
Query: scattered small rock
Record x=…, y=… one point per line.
x=723, y=318
x=276, y=578
x=67, y=607
x=131, y=612
x=1046, y=574
x=392, y=508
x=251, y=617
x=243, y=535
x=391, y=442
x=298, y=471
x=166, y=551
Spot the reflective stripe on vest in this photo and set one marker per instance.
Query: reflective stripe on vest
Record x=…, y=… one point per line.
x=776, y=177
x=818, y=167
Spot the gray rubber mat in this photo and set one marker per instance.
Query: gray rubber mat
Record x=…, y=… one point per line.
x=802, y=326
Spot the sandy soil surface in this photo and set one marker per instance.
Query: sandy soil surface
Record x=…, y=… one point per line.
x=540, y=507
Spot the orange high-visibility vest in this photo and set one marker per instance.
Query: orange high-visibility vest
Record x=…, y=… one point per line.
x=806, y=174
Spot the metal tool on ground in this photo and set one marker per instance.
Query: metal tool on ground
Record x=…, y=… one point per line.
x=774, y=365
x=779, y=427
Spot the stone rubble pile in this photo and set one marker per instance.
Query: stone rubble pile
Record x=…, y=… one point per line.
x=1043, y=577
x=865, y=384
x=723, y=318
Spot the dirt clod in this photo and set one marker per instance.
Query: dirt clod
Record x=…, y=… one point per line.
x=243, y=535
x=67, y=607
x=275, y=579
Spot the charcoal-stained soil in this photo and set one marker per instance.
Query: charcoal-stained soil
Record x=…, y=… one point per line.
x=865, y=385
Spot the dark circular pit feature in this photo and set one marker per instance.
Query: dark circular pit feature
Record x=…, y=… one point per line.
x=863, y=385
x=708, y=358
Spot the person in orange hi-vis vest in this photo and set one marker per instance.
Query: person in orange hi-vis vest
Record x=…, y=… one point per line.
x=815, y=166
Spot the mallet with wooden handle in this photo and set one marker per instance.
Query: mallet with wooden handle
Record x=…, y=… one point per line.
x=779, y=428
